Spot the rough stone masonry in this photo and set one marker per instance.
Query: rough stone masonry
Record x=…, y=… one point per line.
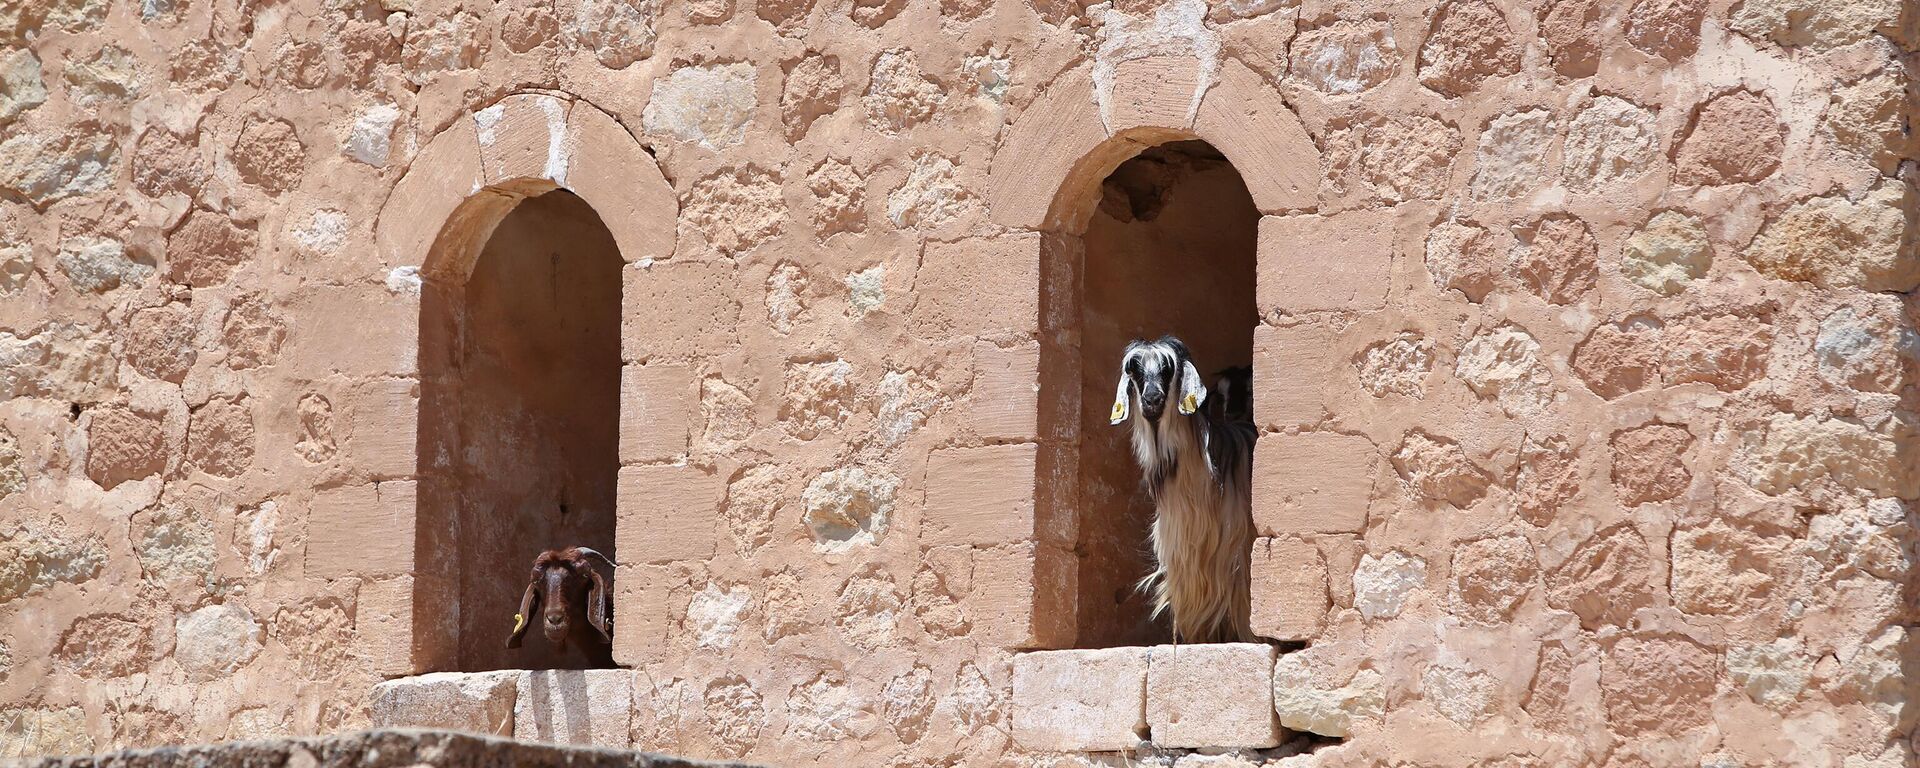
x=1586, y=366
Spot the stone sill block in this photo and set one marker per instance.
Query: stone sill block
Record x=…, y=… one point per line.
x=577, y=707
x=1169, y=696
x=377, y=748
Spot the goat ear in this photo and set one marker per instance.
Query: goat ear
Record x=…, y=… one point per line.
x=597, y=604
x=1193, y=391
x=521, y=620
x=1120, y=399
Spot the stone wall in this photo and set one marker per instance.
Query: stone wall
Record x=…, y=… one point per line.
x=373, y=749
x=1586, y=363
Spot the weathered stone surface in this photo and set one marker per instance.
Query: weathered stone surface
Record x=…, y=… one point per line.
x=1611, y=140
x=899, y=93
x=1619, y=358
x=1382, y=585
x=868, y=609
x=1470, y=43
x=1869, y=348
x=1649, y=462
x=1398, y=366
x=1572, y=31
x=220, y=438
x=105, y=646
x=21, y=87
x=63, y=360
x=1722, y=570
x=706, y=105
x=35, y=732
x=109, y=75
x=1463, y=257
x=1393, y=159
x=1814, y=24
x=1671, y=251
x=1788, y=451
x=839, y=198
x=931, y=195
x=47, y=167
x=1290, y=598
x=175, y=546
x=1438, y=470
x=1865, y=118
x=1492, y=576
x=618, y=32
x=1511, y=158
x=97, y=265
x=1459, y=693
x=1836, y=242
x=1504, y=365
x=159, y=341
x=123, y=444
x=981, y=496
x=1736, y=137
x=578, y=707
x=214, y=641
x=269, y=154
x=1343, y=57
x=1325, y=487
x=735, y=210
x=1216, y=695
x=1657, y=685
x=1306, y=701
x=35, y=560
x=1727, y=351
x=811, y=91
x=849, y=506
x=1669, y=29
x=1606, y=579
x=1549, y=477
x=1557, y=260
x=207, y=248
x=1080, y=701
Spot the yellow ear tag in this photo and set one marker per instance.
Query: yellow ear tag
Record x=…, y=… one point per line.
x=1119, y=411
x=1189, y=404
x=518, y=622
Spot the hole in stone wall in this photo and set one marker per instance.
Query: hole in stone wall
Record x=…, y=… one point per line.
x=520, y=367
x=1170, y=249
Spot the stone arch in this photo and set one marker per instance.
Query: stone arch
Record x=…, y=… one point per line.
x=1048, y=177
x=572, y=163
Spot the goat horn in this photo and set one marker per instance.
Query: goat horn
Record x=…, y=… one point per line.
x=595, y=553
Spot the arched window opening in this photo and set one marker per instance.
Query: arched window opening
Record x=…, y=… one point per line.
x=1170, y=249
x=520, y=366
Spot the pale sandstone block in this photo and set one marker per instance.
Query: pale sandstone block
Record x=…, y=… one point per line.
x=641, y=594
x=668, y=513
x=978, y=286
x=361, y=530
x=384, y=415
x=478, y=702
x=980, y=496
x=1024, y=596
x=383, y=337
x=580, y=707
x=1080, y=701
x=383, y=619
x=1295, y=369
x=521, y=138
x=1246, y=119
x=656, y=411
x=1289, y=589
x=622, y=183
x=677, y=308
x=1213, y=695
x=1047, y=140
x=1153, y=92
x=1005, y=401
x=1312, y=263
x=1312, y=483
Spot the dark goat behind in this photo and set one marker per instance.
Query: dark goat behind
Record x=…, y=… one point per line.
x=563, y=589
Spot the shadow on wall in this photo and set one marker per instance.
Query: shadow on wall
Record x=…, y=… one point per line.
x=1170, y=249
x=519, y=426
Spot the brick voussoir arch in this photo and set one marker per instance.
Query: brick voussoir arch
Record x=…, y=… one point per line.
x=1046, y=175
x=477, y=169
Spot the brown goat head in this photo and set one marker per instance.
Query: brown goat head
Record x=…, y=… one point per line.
x=564, y=580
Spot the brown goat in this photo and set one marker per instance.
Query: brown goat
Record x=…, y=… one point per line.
x=563, y=583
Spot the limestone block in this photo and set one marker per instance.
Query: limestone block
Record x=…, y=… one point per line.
x=384, y=337
x=980, y=496
x=1289, y=589
x=363, y=530
x=1215, y=695
x=1080, y=701
x=656, y=411
x=384, y=416
x=1312, y=483
x=480, y=702
x=1302, y=374
x=1024, y=596
x=1047, y=141
x=1153, y=92
x=582, y=707
x=668, y=513
x=384, y=621
x=1313, y=263
x=677, y=308
x=1005, y=401
x=1305, y=701
x=522, y=137
x=1247, y=120
x=979, y=286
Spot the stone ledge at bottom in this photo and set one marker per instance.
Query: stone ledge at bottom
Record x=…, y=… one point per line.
x=381, y=747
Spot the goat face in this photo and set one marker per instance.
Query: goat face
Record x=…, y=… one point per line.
x=563, y=581
x=1154, y=371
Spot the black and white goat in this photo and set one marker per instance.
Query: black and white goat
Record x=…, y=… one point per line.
x=1198, y=466
x=564, y=582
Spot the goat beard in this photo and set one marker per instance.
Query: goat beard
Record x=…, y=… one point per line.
x=1202, y=532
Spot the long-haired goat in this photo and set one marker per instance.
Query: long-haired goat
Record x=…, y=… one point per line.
x=564, y=583
x=1198, y=466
